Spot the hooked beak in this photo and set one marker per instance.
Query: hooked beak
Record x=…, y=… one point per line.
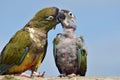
x=66, y=20
x=61, y=16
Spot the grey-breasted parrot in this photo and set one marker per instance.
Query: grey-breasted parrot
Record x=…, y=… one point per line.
x=69, y=49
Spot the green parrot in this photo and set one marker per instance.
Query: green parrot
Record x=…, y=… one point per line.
x=27, y=48
x=69, y=49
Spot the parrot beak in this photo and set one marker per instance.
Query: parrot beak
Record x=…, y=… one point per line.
x=61, y=16
x=67, y=19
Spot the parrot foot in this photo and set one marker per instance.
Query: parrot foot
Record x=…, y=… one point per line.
x=72, y=75
x=25, y=75
x=35, y=74
x=62, y=75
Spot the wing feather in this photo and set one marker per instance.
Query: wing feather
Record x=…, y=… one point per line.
x=55, y=43
x=15, y=51
x=82, y=56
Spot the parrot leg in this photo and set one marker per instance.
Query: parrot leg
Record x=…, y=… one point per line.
x=62, y=75
x=35, y=74
x=72, y=75
x=69, y=76
x=25, y=75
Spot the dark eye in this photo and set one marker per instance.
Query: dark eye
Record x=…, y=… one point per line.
x=70, y=14
x=50, y=18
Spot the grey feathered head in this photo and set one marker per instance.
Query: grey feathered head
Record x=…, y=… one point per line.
x=69, y=19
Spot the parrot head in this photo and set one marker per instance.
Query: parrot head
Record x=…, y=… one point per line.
x=67, y=19
x=45, y=19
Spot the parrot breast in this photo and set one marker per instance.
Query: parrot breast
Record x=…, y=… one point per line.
x=67, y=54
x=37, y=37
x=35, y=54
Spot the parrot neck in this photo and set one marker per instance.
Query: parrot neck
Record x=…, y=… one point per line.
x=36, y=26
x=68, y=32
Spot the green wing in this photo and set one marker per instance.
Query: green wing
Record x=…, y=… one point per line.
x=55, y=42
x=15, y=51
x=82, y=59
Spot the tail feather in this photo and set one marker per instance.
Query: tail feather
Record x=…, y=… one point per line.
x=4, y=68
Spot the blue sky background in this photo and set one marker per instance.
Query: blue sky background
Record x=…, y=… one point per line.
x=97, y=20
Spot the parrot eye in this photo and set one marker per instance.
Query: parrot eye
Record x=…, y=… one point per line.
x=50, y=18
x=70, y=14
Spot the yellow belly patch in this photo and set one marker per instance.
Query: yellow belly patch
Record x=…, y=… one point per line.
x=27, y=64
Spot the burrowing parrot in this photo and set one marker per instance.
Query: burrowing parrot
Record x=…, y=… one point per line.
x=69, y=49
x=27, y=48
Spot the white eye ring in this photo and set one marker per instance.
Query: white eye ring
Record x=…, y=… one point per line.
x=70, y=14
x=50, y=18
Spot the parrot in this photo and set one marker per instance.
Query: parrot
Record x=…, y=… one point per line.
x=27, y=48
x=69, y=50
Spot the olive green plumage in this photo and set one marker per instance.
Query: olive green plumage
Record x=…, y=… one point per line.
x=82, y=58
x=27, y=48
x=15, y=51
x=15, y=47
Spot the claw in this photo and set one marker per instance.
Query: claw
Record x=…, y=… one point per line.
x=25, y=75
x=72, y=75
x=35, y=74
x=62, y=75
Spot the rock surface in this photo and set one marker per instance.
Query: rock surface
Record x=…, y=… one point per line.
x=12, y=77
